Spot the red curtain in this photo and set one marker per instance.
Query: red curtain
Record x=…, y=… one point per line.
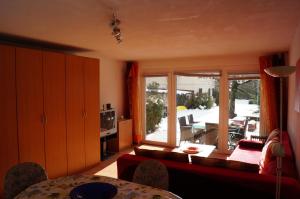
x=269, y=98
x=134, y=101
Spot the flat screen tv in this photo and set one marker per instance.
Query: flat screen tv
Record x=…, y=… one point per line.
x=108, y=122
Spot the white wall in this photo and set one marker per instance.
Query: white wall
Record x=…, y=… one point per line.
x=113, y=84
x=293, y=116
x=112, y=81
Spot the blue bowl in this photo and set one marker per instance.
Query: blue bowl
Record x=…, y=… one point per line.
x=94, y=190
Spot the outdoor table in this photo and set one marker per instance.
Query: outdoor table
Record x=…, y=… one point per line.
x=198, y=129
x=60, y=188
x=199, y=125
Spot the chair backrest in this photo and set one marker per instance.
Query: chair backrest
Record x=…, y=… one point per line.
x=21, y=176
x=191, y=118
x=182, y=121
x=152, y=173
x=211, y=134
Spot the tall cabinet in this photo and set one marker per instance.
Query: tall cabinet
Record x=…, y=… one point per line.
x=49, y=105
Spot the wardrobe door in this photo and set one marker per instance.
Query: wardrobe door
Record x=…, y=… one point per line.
x=92, y=111
x=8, y=116
x=75, y=114
x=55, y=112
x=29, y=73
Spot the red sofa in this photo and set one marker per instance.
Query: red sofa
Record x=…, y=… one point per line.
x=196, y=181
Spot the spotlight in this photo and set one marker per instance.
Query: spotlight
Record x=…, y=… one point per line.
x=116, y=31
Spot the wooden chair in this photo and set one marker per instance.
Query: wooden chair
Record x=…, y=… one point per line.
x=21, y=176
x=152, y=173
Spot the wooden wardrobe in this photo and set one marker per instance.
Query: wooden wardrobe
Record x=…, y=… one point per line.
x=49, y=105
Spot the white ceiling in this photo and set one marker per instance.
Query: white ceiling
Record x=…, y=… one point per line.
x=155, y=29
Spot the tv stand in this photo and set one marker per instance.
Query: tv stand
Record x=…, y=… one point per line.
x=105, y=151
x=123, y=139
x=120, y=140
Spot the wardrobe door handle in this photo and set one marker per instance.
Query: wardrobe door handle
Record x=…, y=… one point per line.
x=46, y=119
x=42, y=119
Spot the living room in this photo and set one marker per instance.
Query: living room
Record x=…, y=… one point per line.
x=179, y=53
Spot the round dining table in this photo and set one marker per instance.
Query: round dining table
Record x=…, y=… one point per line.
x=60, y=188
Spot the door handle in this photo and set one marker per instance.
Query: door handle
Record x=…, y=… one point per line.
x=44, y=119
x=84, y=114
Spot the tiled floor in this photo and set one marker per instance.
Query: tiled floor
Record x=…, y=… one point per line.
x=109, y=167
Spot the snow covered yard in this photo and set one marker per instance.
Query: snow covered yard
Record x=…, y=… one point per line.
x=242, y=109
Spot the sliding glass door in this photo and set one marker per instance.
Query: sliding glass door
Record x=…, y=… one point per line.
x=197, y=108
x=244, y=107
x=156, y=109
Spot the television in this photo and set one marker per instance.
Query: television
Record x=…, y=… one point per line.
x=108, y=122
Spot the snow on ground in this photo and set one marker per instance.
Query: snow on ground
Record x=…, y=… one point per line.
x=242, y=109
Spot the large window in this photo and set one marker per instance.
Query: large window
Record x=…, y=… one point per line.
x=244, y=107
x=197, y=108
x=185, y=108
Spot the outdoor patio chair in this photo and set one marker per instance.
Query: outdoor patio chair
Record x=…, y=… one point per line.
x=237, y=133
x=211, y=134
x=186, y=131
x=191, y=119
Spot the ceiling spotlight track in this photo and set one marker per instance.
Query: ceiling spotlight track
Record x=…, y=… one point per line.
x=116, y=31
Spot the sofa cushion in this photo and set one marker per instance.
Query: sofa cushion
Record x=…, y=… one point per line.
x=288, y=152
x=247, y=155
x=167, y=155
x=288, y=161
x=230, y=164
x=242, y=166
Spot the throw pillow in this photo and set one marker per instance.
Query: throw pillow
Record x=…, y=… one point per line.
x=273, y=134
x=267, y=156
x=208, y=161
x=229, y=164
x=149, y=153
x=166, y=155
x=179, y=157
